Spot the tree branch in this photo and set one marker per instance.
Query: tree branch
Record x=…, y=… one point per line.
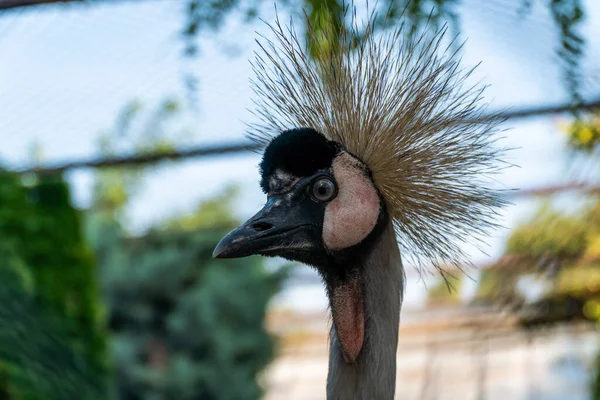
x=582, y=187
x=13, y=4
x=140, y=159
x=540, y=111
x=8, y=4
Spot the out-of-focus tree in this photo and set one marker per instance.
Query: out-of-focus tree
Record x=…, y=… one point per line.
x=539, y=248
x=446, y=290
x=211, y=16
x=141, y=131
x=560, y=252
x=583, y=136
x=202, y=16
x=210, y=214
x=498, y=286
x=52, y=337
x=39, y=360
x=183, y=325
x=555, y=247
x=550, y=236
x=583, y=133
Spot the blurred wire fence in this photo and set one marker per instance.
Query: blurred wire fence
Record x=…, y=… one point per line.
x=94, y=309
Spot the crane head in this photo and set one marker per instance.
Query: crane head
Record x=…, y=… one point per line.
x=322, y=209
x=321, y=203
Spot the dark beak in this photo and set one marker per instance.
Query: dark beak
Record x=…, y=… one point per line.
x=277, y=229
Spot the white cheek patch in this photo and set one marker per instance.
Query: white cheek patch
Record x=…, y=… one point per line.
x=353, y=214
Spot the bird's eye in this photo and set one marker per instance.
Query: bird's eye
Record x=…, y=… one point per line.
x=323, y=189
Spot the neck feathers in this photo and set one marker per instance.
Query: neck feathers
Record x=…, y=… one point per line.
x=373, y=375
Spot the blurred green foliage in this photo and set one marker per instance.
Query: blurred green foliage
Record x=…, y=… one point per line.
x=561, y=248
x=39, y=359
x=567, y=15
x=211, y=213
x=202, y=16
x=52, y=336
x=446, y=289
x=583, y=134
x=498, y=287
x=183, y=325
x=553, y=247
x=550, y=235
x=141, y=130
x=562, y=252
x=583, y=137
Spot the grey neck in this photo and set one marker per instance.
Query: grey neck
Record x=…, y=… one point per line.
x=373, y=375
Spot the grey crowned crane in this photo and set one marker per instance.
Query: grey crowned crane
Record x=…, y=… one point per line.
x=373, y=148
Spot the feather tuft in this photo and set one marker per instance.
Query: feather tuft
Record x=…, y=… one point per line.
x=401, y=104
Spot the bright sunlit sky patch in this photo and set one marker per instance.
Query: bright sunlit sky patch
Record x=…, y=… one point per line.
x=66, y=73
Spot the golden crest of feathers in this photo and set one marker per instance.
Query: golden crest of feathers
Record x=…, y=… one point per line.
x=403, y=107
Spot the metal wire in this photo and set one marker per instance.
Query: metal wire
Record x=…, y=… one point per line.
x=244, y=147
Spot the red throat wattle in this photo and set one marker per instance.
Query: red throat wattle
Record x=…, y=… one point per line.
x=347, y=309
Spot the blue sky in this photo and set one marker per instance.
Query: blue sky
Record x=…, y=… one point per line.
x=65, y=74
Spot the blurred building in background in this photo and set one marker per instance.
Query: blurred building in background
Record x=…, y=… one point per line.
x=107, y=286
